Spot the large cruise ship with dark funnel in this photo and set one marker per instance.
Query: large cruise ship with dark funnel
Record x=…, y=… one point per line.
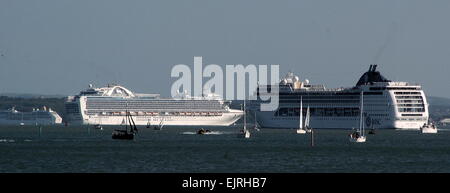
x=387, y=104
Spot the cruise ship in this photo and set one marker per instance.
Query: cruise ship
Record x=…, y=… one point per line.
x=108, y=106
x=387, y=104
x=42, y=116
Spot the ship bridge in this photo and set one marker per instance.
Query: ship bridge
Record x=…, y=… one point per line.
x=110, y=90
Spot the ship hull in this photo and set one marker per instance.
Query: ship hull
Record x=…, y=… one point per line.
x=267, y=120
x=226, y=119
x=30, y=122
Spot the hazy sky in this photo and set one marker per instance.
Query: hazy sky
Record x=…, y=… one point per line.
x=60, y=46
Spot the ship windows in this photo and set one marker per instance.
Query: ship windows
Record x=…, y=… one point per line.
x=318, y=112
x=405, y=93
x=403, y=88
x=373, y=93
x=410, y=105
x=411, y=109
x=408, y=97
x=412, y=115
x=378, y=88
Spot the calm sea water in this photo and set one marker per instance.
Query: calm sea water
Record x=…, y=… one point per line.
x=77, y=149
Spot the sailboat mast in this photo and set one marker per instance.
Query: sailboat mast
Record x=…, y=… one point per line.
x=307, y=119
x=245, y=117
x=361, y=125
x=301, y=112
x=256, y=122
x=126, y=117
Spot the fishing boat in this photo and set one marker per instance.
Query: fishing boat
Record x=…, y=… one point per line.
x=358, y=136
x=245, y=133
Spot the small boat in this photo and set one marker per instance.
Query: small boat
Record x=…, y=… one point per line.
x=372, y=132
x=428, y=128
x=98, y=126
x=125, y=134
x=358, y=135
x=203, y=131
x=244, y=134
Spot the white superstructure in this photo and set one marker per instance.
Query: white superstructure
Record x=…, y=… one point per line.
x=42, y=116
x=107, y=106
x=387, y=104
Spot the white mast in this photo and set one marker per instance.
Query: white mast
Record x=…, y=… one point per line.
x=126, y=116
x=361, y=125
x=245, y=117
x=301, y=113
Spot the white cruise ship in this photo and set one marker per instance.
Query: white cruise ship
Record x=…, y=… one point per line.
x=36, y=117
x=387, y=104
x=108, y=106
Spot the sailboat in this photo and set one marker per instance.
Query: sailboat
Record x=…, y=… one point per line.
x=372, y=131
x=148, y=124
x=99, y=125
x=245, y=133
x=300, y=129
x=125, y=134
x=256, y=127
x=358, y=136
x=307, y=120
x=160, y=126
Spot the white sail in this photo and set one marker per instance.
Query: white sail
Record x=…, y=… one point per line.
x=307, y=118
x=301, y=114
x=161, y=124
x=300, y=129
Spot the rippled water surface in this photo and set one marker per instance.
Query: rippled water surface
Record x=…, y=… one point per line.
x=79, y=149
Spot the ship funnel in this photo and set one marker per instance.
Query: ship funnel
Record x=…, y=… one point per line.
x=371, y=76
